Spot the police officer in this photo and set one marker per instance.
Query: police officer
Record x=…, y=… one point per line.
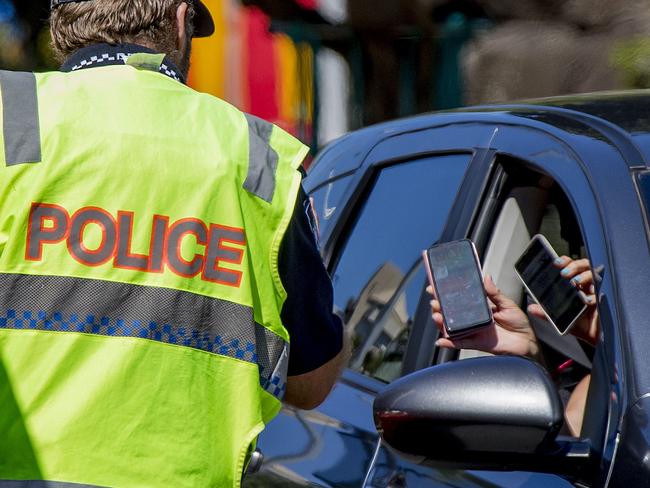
x=160, y=286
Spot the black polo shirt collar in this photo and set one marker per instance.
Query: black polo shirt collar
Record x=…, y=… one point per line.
x=115, y=54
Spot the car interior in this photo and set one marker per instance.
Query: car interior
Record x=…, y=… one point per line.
x=521, y=203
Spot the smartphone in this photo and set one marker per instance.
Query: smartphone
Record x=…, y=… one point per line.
x=455, y=274
x=562, y=302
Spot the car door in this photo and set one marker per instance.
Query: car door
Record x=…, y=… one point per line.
x=476, y=196
x=560, y=158
x=590, y=170
x=378, y=221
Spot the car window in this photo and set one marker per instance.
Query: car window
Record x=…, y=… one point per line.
x=532, y=203
x=379, y=277
x=327, y=203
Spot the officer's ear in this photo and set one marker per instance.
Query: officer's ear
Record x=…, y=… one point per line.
x=181, y=26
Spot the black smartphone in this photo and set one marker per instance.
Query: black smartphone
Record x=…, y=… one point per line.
x=562, y=302
x=455, y=274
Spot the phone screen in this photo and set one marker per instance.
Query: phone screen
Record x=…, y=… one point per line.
x=459, y=286
x=558, y=297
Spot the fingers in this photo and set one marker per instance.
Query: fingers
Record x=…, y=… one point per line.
x=436, y=315
x=435, y=309
x=536, y=311
x=571, y=268
x=442, y=342
x=584, y=283
x=490, y=286
x=431, y=291
x=583, y=280
x=457, y=343
x=494, y=294
x=581, y=264
x=580, y=274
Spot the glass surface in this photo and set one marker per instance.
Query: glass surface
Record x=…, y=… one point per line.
x=327, y=202
x=379, y=276
x=459, y=286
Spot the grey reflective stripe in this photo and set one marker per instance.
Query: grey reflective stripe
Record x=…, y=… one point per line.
x=22, y=138
x=42, y=484
x=64, y=304
x=262, y=159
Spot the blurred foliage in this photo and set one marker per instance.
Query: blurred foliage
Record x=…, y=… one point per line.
x=632, y=57
x=24, y=35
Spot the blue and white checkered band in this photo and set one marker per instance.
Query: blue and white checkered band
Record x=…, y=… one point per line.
x=107, y=59
x=60, y=304
x=140, y=57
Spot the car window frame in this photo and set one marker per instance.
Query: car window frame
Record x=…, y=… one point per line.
x=395, y=148
x=359, y=194
x=361, y=187
x=420, y=346
x=433, y=141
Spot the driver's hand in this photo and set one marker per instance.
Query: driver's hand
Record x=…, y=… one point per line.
x=510, y=333
x=581, y=276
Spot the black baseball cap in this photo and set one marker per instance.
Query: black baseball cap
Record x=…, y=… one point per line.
x=203, y=23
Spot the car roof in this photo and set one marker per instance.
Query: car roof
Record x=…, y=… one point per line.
x=626, y=109
x=620, y=117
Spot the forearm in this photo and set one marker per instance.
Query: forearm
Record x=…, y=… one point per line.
x=307, y=391
x=575, y=408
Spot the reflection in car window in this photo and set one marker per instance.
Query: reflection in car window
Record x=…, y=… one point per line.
x=379, y=277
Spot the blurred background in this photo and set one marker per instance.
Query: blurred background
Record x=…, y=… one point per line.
x=320, y=68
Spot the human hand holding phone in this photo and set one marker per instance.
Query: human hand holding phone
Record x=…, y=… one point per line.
x=510, y=332
x=579, y=273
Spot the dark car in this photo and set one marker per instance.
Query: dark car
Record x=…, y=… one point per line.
x=573, y=169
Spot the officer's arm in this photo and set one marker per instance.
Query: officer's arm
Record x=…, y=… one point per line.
x=318, y=350
x=308, y=390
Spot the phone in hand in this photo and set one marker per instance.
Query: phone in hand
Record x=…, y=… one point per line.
x=562, y=302
x=455, y=274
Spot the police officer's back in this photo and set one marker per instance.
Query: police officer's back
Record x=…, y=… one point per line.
x=144, y=337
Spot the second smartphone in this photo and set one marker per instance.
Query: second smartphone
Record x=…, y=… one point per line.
x=455, y=274
x=562, y=302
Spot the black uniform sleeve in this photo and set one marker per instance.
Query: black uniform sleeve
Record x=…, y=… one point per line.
x=316, y=334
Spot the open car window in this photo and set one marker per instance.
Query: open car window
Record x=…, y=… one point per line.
x=531, y=203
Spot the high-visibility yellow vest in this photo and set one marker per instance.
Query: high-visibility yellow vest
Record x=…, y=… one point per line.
x=141, y=343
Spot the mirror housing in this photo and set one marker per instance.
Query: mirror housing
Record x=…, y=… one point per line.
x=496, y=413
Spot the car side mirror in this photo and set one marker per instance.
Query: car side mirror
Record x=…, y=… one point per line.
x=495, y=413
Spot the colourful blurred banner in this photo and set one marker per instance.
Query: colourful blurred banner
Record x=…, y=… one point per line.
x=261, y=73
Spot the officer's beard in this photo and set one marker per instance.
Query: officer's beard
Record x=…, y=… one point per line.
x=184, y=58
x=181, y=56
